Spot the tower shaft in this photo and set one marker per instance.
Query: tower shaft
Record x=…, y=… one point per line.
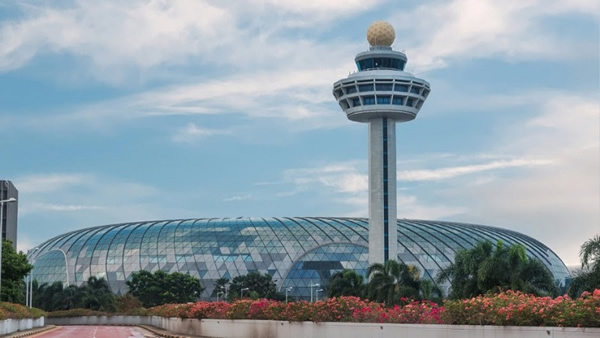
x=382, y=190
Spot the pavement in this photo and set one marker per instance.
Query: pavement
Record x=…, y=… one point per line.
x=97, y=331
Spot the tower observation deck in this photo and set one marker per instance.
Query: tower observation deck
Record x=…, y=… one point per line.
x=381, y=93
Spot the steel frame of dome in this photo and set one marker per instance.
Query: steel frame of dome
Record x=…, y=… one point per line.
x=296, y=251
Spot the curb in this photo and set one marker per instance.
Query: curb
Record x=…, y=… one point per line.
x=161, y=333
x=31, y=332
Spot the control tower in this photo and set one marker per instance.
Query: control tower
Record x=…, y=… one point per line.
x=381, y=93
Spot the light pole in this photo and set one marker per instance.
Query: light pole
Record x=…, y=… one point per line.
x=218, y=294
x=311, y=291
x=286, y=292
x=242, y=292
x=12, y=199
x=317, y=296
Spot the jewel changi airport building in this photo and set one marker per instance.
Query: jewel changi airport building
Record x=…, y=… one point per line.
x=296, y=251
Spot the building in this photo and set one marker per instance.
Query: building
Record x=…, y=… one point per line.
x=296, y=251
x=381, y=93
x=9, y=211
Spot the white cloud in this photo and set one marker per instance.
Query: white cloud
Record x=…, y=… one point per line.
x=192, y=133
x=451, y=172
x=49, y=183
x=37, y=207
x=237, y=198
x=466, y=29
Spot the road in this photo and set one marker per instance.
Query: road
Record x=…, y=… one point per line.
x=95, y=332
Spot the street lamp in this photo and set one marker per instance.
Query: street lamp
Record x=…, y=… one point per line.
x=218, y=294
x=286, y=292
x=12, y=199
x=317, y=297
x=242, y=292
x=311, y=291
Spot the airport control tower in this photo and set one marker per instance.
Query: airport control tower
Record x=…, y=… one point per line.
x=381, y=93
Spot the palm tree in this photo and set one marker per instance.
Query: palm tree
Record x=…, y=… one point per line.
x=346, y=283
x=390, y=282
x=429, y=290
x=486, y=268
x=590, y=253
x=589, y=278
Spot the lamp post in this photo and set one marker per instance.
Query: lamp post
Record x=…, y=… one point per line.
x=311, y=290
x=242, y=292
x=317, y=296
x=286, y=293
x=218, y=294
x=12, y=199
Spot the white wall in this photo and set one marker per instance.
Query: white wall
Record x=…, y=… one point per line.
x=13, y=325
x=224, y=328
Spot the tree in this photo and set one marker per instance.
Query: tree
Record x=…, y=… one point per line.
x=346, y=283
x=429, y=290
x=262, y=285
x=14, y=269
x=488, y=268
x=589, y=278
x=390, y=282
x=95, y=294
x=158, y=288
x=220, y=286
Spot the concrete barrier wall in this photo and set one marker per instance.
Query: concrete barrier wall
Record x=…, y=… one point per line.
x=223, y=328
x=13, y=325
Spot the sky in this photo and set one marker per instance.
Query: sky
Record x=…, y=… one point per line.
x=116, y=111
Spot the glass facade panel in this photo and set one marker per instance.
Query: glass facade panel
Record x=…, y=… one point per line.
x=296, y=251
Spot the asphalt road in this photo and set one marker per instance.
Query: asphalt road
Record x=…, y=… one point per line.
x=95, y=332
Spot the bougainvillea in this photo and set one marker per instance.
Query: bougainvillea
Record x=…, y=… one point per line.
x=506, y=308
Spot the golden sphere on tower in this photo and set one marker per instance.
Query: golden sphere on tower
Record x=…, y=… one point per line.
x=381, y=33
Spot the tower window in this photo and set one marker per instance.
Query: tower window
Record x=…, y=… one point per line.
x=397, y=101
x=355, y=102
x=365, y=88
x=383, y=99
x=350, y=90
x=368, y=100
x=338, y=93
x=414, y=90
x=384, y=86
x=409, y=102
x=401, y=88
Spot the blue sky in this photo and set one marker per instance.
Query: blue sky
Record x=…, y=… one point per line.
x=115, y=111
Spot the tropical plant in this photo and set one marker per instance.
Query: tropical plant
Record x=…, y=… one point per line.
x=588, y=278
x=220, y=286
x=390, y=282
x=14, y=269
x=428, y=290
x=95, y=294
x=256, y=285
x=346, y=283
x=488, y=268
x=157, y=288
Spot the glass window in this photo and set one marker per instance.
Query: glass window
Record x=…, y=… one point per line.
x=365, y=64
x=350, y=90
x=401, y=88
x=414, y=90
x=365, y=88
x=338, y=92
x=383, y=99
x=369, y=100
x=355, y=102
x=409, y=102
x=384, y=86
x=397, y=101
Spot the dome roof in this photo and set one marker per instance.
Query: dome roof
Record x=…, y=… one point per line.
x=296, y=251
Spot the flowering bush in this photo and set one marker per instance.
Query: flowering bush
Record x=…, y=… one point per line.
x=516, y=308
x=506, y=308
